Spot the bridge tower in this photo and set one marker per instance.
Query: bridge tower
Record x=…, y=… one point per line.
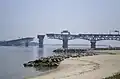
x=41, y=40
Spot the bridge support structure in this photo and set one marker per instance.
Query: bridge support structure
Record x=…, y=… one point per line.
x=65, y=43
x=41, y=40
x=26, y=44
x=64, y=37
x=93, y=44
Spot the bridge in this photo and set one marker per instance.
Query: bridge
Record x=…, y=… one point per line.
x=93, y=38
x=64, y=36
x=17, y=42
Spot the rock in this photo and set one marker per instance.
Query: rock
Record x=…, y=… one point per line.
x=45, y=62
x=27, y=65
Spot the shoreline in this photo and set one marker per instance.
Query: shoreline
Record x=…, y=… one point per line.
x=84, y=67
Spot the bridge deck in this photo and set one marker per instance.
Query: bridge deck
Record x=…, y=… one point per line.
x=16, y=41
x=21, y=39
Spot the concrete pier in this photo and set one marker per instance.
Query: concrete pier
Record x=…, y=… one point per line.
x=93, y=44
x=41, y=40
x=65, y=43
x=64, y=36
x=26, y=44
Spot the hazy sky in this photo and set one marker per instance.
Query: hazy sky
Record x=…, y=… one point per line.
x=22, y=18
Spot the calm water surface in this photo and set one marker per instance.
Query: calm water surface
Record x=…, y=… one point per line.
x=12, y=59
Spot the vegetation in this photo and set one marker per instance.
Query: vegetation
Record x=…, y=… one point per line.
x=114, y=76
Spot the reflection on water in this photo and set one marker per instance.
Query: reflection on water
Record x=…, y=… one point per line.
x=40, y=52
x=12, y=59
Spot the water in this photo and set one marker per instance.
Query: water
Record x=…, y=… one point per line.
x=12, y=59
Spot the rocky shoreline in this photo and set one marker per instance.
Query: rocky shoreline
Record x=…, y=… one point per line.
x=93, y=67
x=70, y=50
x=45, y=62
x=51, y=62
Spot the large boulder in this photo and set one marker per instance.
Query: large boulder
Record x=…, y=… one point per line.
x=45, y=62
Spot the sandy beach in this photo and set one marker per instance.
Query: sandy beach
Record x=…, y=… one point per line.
x=90, y=67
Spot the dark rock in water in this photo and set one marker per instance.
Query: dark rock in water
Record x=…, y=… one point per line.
x=69, y=50
x=27, y=65
x=74, y=52
x=30, y=62
x=45, y=62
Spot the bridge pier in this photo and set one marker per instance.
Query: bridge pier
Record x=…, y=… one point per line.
x=65, y=43
x=93, y=44
x=41, y=40
x=26, y=44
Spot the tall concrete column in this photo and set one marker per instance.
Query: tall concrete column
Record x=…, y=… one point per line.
x=93, y=44
x=65, y=43
x=41, y=40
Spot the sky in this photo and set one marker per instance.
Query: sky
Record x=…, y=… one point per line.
x=24, y=18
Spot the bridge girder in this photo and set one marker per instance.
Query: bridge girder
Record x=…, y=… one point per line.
x=89, y=37
x=17, y=41
x=99, y=37
x=61, y=37
x=22, y=39
x=93, y=38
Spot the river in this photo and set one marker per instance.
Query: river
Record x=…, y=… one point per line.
x=12, y=59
